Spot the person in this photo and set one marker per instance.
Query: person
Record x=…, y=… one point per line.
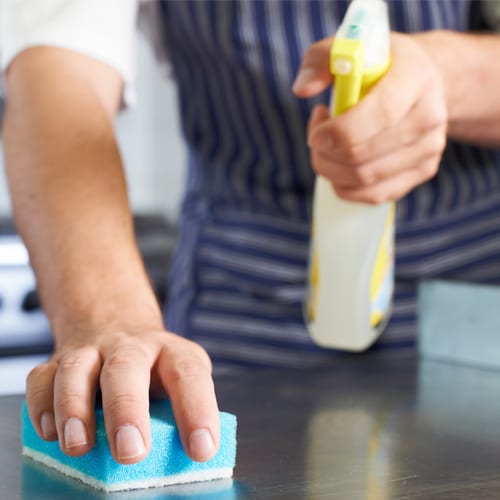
x=253, y=85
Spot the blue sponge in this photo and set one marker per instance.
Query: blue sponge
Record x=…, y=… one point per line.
x=166, y=464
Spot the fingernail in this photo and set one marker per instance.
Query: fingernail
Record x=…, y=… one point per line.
x=48, y=424
x=201, y=444
x=304, y=76
x=75, y=433
x=129, y=442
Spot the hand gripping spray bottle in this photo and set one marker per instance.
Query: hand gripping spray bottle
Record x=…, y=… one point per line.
x=351, y=268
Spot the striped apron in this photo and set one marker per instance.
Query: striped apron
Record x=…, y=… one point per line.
x=237, y=283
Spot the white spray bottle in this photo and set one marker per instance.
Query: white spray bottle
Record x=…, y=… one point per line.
x=351, y=268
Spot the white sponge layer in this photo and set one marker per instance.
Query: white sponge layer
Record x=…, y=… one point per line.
x=157, y=482
x=166, y=464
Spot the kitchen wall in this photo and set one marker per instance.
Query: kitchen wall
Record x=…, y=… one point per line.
x=149, y=139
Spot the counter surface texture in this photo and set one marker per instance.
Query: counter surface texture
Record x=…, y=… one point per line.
x=366, y=428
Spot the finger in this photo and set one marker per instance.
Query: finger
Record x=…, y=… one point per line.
x=185, y=370
x=393, y=188
x=344, y=175
x=340, y=175
x=320, y=114
x=314, y=72
x=125, y=380
x=391, y=99
x=395, y=94
x=74, y=400
x=428, y=114
x=428, y=147
x=40, y=400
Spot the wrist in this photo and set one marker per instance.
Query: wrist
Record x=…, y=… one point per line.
x=437, y=46
x=470, y=81
x=133, y=309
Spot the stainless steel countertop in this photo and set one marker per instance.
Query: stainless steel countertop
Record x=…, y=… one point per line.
x=367, y=429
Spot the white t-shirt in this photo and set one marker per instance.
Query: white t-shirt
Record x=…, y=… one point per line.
x=103, y=29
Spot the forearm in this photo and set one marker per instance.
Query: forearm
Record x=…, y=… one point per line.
x=469, y=65
x=71, y=207
x=70, y=204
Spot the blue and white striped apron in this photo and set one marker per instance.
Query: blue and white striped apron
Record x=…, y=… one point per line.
x=238, y=278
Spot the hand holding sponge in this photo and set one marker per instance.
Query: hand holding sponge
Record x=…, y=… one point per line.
x=166, y=464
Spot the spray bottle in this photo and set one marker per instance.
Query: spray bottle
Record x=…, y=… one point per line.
x=351, y=267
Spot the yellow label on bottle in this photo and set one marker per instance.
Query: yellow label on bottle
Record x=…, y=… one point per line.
x=382, y=280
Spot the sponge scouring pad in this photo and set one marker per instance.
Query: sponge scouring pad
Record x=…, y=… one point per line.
x=166, y=464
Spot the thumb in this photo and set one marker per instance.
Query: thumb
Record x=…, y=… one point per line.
x=314, y=73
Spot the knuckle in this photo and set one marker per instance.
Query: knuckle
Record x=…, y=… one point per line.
x=441, y=114
x=39, y=397
x=203, y=356
x=429, y=169
x=39, y=385
x=342, y=137
x=38, y=373
x=428, y=76
x=344, y=194
x=121, y=403
x=185, y=358
x=123, y=358
x=388, y=112
x=187, y=367
x=119, y=359
x=356, y=154
x=67, y=400
x=433, y=119
x=83, y=357
x=376, y=197
x=434, y=112
x=70, y=361
x=438, y=143
x=365, y=176
x=433, y=79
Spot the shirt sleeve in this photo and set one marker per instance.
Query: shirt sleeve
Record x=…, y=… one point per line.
x=102, y=29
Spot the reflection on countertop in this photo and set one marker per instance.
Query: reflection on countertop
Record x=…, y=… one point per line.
x=365, y=428
x=42, y=483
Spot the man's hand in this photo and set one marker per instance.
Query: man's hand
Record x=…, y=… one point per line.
x=391, y=141
x=70, y=201
x=125, y=366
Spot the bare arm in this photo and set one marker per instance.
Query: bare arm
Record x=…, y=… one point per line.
x=469, y=65
x=68, y=187
x=71, y=208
